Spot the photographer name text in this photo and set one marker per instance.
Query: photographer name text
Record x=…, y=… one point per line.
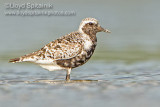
x=28, y=6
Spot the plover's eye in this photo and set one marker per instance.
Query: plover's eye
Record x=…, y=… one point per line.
x=90, y=23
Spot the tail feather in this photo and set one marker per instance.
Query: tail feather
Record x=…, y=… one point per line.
x=25, y=58
x=14, y=60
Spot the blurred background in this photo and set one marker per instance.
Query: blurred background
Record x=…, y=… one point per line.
x=123, y=72
x=134, y=25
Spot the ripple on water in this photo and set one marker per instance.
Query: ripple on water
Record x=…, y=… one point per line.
x=100, y=82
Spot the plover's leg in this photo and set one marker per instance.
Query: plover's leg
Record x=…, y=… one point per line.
x=68, y=74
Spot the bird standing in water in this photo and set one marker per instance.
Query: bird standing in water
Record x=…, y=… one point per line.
x=69, y=51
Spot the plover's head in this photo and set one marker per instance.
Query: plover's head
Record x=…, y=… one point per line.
x=91, y=26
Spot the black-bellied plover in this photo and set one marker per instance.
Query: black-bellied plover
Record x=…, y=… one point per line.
x=69, y=51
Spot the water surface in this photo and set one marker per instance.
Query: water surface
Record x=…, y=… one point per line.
x=123, y=72
x=97, y=83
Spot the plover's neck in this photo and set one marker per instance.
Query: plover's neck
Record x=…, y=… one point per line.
x=90, y=34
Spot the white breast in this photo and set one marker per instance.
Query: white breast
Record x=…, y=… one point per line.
x=87, y=44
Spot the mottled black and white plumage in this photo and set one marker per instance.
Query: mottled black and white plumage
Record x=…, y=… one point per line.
x=69, y=51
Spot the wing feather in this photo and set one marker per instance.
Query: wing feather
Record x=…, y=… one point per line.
x=64, y=48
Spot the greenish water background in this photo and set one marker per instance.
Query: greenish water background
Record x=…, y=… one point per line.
x=134, y=25
x=126, y=62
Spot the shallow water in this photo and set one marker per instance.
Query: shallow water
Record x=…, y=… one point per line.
x=123, y=72
x=98, y=83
